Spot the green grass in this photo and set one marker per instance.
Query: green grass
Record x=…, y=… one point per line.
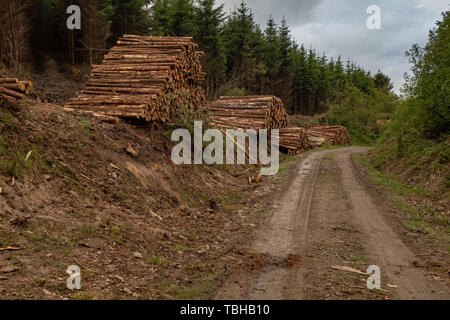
x=13, y=155
x=187, y=294
x=84, y=232
x=40, y=240
x=329, y=147
x=286, y=163
x=5, y=117
x=86, y=125
x=411, y=149
x=179, y=247
x=196, y=291
x=156, y=261
x=386, y=180
x=82, y=295
x=358, y=259
x=232, y=197
x=329, y=156
x=422, y=217
x=116, y=234
x=8, y=238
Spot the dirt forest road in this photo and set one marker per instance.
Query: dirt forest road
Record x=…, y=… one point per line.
x=327, y=215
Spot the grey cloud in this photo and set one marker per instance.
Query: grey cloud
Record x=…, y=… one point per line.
x=338, y=27
x=295, y=11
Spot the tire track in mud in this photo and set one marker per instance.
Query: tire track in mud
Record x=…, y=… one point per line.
x=382, y=243
x=282, y=239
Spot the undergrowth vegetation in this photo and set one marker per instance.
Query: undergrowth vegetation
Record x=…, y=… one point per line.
x=418, y=138
x=359, y=112
x=421, y=215
x=411, y=132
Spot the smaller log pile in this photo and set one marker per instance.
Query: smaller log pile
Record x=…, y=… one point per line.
x=13, y=90
x=294, y=140
x=334, y=135
x=248, y=112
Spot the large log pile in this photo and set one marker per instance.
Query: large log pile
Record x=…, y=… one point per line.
x=294, y=140
x=334, y=135
x=145, y=78
x=248, y=112
x=13, y=90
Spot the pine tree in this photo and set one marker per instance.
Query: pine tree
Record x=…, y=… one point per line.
x=129, y=17
x=285, y=44
x=208, y=20
x=159, y=17
x=243, y=42
x=271, y=53
x=181, y=21
x=285, y=40
x=382, y=81
x=95, y=29
x=237, y=31
x=298, y=70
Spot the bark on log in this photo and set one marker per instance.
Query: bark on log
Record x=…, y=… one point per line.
x=12, y=89
x=145, y=77
x=257, y=112
x=334, y=135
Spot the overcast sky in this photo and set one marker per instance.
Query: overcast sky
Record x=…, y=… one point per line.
x=338, y=27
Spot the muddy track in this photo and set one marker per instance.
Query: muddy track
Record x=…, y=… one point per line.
x=325, y=213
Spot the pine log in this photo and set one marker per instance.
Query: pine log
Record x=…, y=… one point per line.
x=149, y=74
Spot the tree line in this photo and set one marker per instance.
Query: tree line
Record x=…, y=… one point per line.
x=240, y=56
x=418, y=138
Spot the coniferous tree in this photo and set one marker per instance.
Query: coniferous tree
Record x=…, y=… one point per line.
x=237, y=53
x=209, y=20
x=285, y=40
x=272, y=53
x=382, y=81
x=181, y=18
x=95, y=29
x=129, y=17
x=243, y=42
x=159, y=17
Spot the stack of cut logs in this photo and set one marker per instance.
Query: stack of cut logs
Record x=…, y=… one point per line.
x=13, y=90
x=248, y=112
x=334, y=135
x=145, y=78
x=294, y=140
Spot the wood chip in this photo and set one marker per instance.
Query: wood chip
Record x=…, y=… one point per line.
x=115, y=167
x=348, y=269
x=28, y=155
x=130, y=150
x=9, y=269
x=155, y=215
x=9, y=249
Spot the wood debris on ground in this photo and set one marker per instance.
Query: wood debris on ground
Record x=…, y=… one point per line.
x=349, y=269
x=9, y=248
x=13, y=90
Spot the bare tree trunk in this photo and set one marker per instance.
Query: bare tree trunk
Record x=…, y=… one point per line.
x=13, y=34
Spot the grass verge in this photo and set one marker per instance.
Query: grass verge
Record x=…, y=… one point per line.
x=421, y=214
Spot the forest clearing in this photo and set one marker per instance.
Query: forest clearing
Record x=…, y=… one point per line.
x=88, y=128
